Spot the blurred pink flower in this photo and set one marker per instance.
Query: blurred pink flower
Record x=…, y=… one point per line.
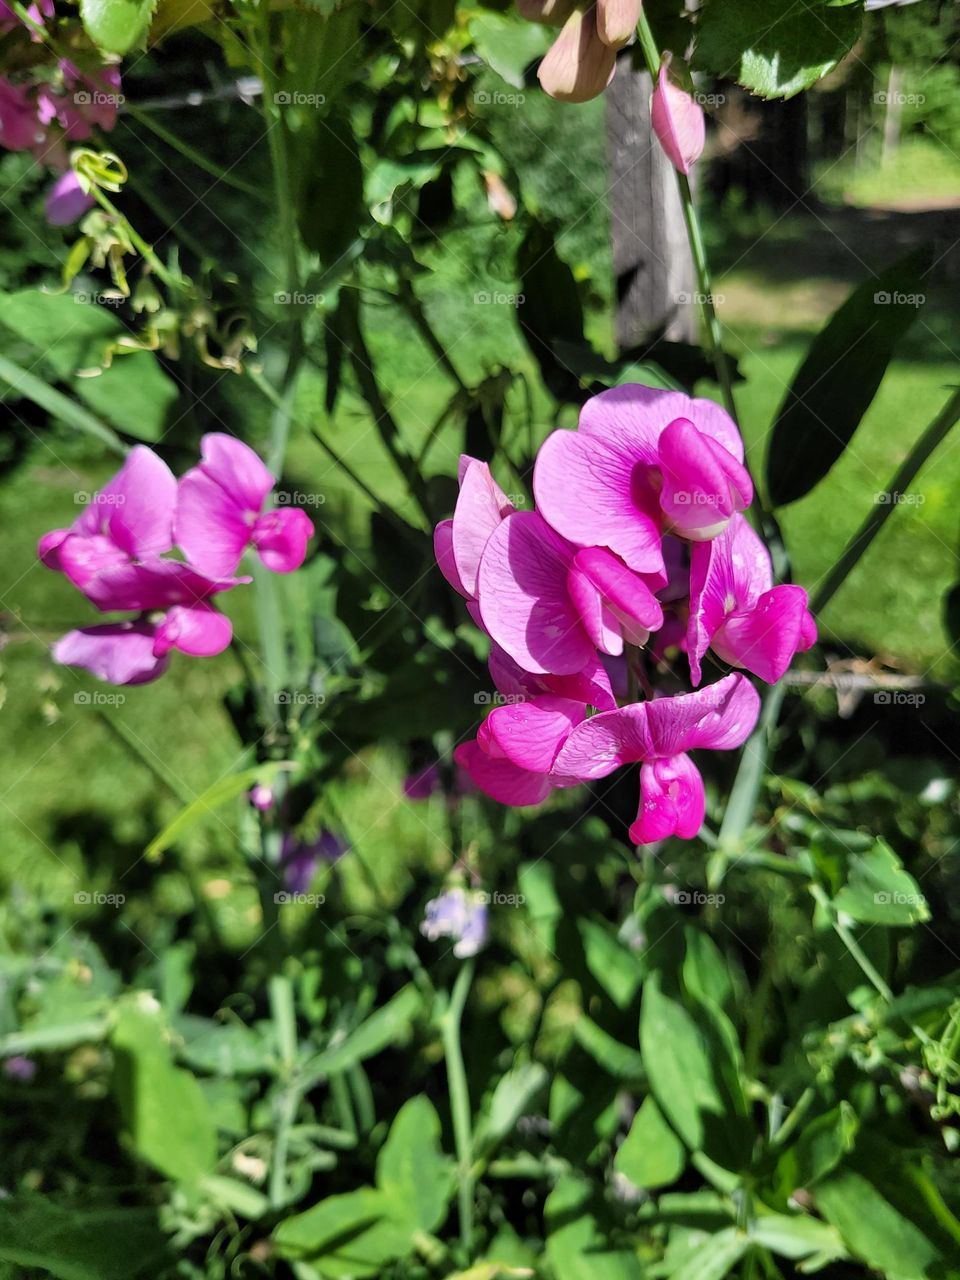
x=19, y=128
x=677, y=119
x=67, y=200
x=459, y=543
x=578, y=65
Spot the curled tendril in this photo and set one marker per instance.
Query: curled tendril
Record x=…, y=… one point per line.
x=102, y=169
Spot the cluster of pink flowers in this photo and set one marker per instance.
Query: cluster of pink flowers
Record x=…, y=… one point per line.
x=116, y=553
x=637, y=541
x=46, y=115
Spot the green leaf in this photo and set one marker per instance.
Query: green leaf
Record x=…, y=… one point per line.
x=57, y=404
x=345, y=1235
x=384, y=1027
x=577, y=1248
x=330, y=203
x=705, y=973
x=163, y=1106
x=879, y=891
x=223, y=790
x=511, y=1098
x=134, y=394
x=80, y=1244
x=878, y=1232
x=651, y=1155
x=694, y=1073
x=618, y=969
x=839, y=377
x=774, y=49
x=797, y=1236
x=508, y=45
x=615, y=1058
x=820, y=1146
x=715, y=1258
x=224, y=1048
x=412, y=1171
x=116, y=25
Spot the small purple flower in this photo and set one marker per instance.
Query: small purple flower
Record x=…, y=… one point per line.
x=20, y=1068
x=299, y=859
x=460, y=915
x=422, y=784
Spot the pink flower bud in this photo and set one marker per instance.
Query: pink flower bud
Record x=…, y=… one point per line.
x=677, y=120
x=578, y=66
x=617, y=21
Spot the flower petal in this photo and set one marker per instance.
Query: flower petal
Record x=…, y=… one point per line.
x=529, y=734
x=443, y=550
x=703, y=484
x=672, y=801
x=523, y=597
x=729, y=573
x=677, y=120
x=500, y=779
x=211, y=526
x=720, y=717
x=119, y=652
x=481, y=506
x=199, y=630
x=765, y=638
x=281, y=538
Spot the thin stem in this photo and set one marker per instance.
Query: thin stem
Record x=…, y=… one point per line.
x=803, y=1104
x=753, y=761
x=460, y=1099
x=283, y=1015
x=886, y=503
x=852, y=945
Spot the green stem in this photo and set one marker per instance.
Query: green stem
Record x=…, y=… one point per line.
x=460, y=1099
x=804, y=1102
x=146, y=251
x=285, y=1033
x=852, y=945
x=753, y=761
x=887, y=502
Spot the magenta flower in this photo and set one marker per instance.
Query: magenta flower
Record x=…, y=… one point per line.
x=551, y=605
x=130, y=518
x=220, y=512
x=658, y=734
x=67, y=200
x=81, y=102
x=591, y=685
x=641, y=463
x=677, y=119
x=37, y=12
x=459, y=543
x=736, y=611
x=19, y=127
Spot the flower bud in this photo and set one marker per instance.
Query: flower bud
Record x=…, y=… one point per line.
x=617, y=21
x=677, y=119
x=578, y=66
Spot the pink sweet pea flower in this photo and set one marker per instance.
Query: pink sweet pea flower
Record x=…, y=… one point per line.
x=85, y=101
x=513, y=755
x=677, y=120
x=642, y=462
x=131, y=518
x=19, y=128
x=591, y=685
x=458, y=543
x=551, y=605
x=37, y=12
x=658, y=734
x=736, y=611
x=118, y=652
x=220, y=512
x=67, y=201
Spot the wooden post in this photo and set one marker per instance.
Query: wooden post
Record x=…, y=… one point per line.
x=651, y=258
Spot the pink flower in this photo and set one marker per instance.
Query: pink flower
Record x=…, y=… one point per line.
x=220, y=512
x=131, y=518
x=658, y=734
x=19, y=127
x=37, y=12
x=551, y=605
x=85, y=101
x=677, y=120
x=67, y=201
x=578, y=65
x=513, y=755
x=737, y=611
x=591, y=685
x=459, y=543
x=617, y=21
x=642, y=462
